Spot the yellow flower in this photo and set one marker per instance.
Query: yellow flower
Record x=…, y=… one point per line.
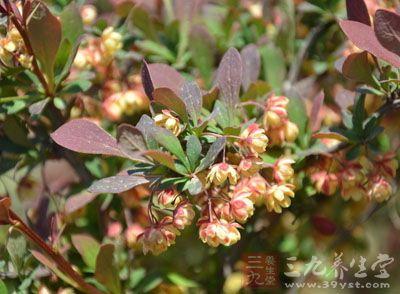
x=25, y=60
x=275, y=111
x=168, y=121
x=111, y=41
x=291, y=131
x=381, y=190
x=88, y=14
x=220, y=172
x=283, y=171
x=254, y=139
x=278, y=196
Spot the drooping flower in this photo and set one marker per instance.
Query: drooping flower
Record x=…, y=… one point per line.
x=221, y=172
x=325, y=182
x=282, y=169
x=278, y=197
x=219, y=232
x=168, y=121
x=241, y=207
x=167, y=197
x=387, y=164
x=256, y=185
x=249, y=166
x=183, y=215
x=253, y=139
x=380, y=190
x=275, y=111
x=157, y=238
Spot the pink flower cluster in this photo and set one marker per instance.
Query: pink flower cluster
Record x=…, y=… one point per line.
x=364, y=178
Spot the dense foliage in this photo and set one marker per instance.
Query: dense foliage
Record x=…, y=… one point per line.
x=150, y=145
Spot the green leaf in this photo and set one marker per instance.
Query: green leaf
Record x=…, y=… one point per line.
x=357, y=67
x=166, y=139
x=359, y=113
x=137, y=275
x=107, y=272
x=3, y=288
x=16, y=248
x=202, y=49
x=298, y=114
x=72, y=25
x=182, y=281
x=59, y=103
x=194, y=186
x=156, y=49
x=274, y=67
x=16, y=131
x=44, y=32
x=212, y=153
x=193, y=150
x=162, y=158
x=87, y=247
x=140, y=18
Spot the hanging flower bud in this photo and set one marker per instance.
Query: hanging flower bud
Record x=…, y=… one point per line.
x=183, y=215
x=167, y=197
x=111, y=41
x=380, y=190
x=283, y=171
x=168, y=121
x=253, y=139
x=275, y=111
x=219, y=232
x=326, y=183
x=278, y=196
x=291, y=131
x=220, y=172
x=88, y=14
x=250, y=165
x=256, y=185
x=25, y=60
x=158, y=238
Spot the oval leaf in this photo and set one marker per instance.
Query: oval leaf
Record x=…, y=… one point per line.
x=116, y=184
x=330, y=135
x=212, y=153
x=88, y=248
x=387, y=29
x=229, y=77
x=169, y=99
x=251, y=65
x=357, y=67
x=82, y=135
x=363, y=37
x=106, y=270
x=44, y=32
x=191, y=95
x=357, y=10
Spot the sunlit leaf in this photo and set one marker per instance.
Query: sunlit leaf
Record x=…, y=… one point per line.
x=117, y=184
x=106, y=269
x=82, y=135
x=87, y=247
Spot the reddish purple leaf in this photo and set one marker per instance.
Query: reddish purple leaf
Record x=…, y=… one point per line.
x=5, y=204
x=78, y=201
x=251, y=65
x=363, y=37
x=172, y=101
x=357, y=11
x=82, y=135
x=229, y=77
x=159, y=75
x=315, y=117
x=117, y=184
x=387, y=29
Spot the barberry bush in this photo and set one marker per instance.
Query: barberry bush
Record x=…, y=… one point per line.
x=150, y=146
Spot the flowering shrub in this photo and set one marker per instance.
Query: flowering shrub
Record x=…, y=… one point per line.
x=120, y=137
